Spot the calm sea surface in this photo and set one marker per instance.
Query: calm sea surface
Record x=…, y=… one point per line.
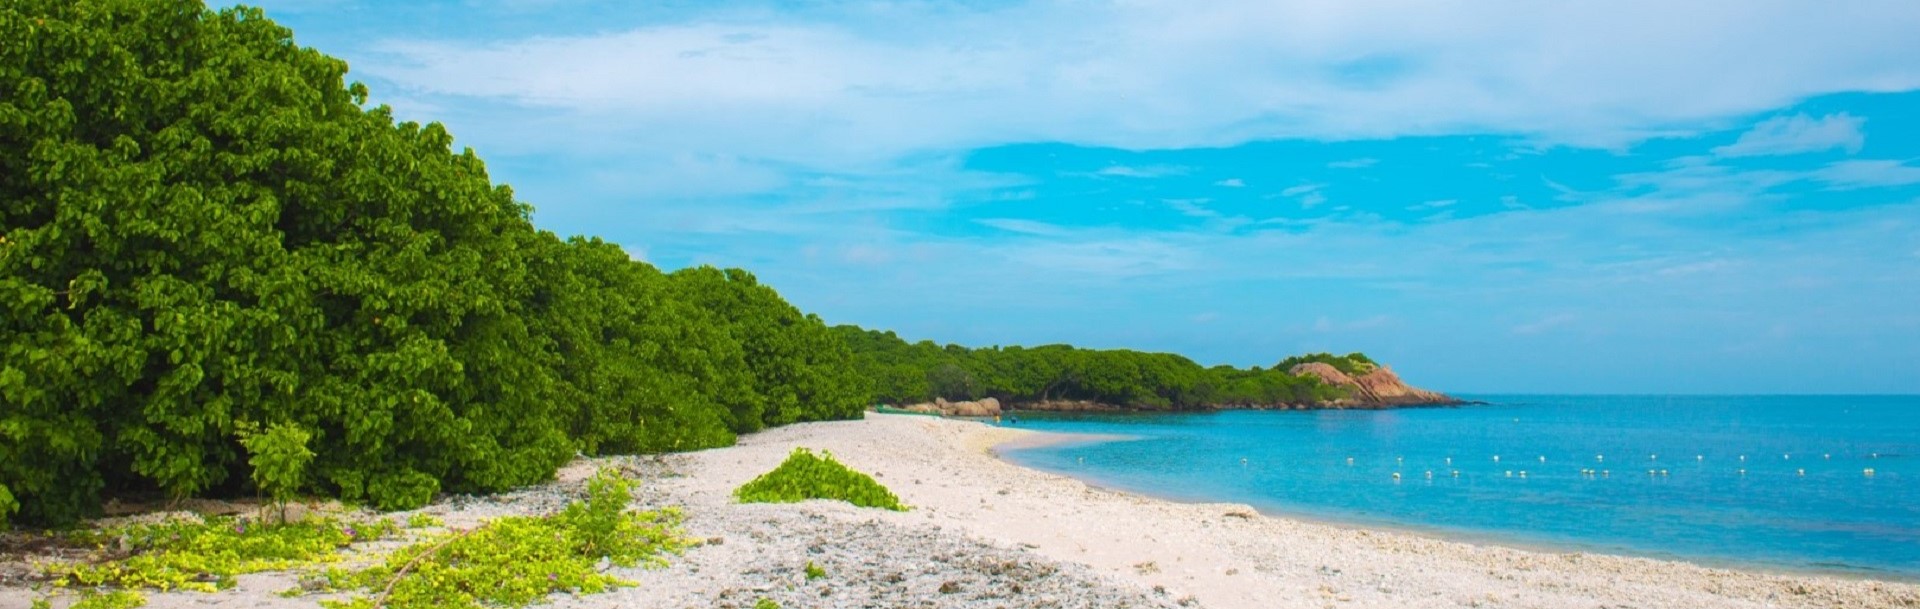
x=1800, y=499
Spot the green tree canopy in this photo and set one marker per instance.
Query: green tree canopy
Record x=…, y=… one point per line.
x=201, y=223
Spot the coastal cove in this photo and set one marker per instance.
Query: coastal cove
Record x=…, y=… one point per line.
x=1766, y=483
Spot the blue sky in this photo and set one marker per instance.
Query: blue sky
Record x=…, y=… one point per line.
x=1491, y=196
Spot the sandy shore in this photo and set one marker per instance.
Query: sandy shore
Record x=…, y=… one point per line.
x=985, y=533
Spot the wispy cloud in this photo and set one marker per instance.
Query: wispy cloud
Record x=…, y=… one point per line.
x=1798, y=134
x=1154, y=171
x=1354, y=163
x=839, y=85
x=1028, y=227
x=1868, y=174
x=1231, y=183
x=1545, y=324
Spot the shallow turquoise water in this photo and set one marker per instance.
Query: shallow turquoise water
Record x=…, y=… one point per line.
x=1696, y=504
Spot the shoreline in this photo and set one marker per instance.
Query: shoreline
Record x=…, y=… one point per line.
x=1512, y=541
x=985, y=533
x=1230, y=556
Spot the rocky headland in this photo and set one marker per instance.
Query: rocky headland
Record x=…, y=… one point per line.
x=1372, y=387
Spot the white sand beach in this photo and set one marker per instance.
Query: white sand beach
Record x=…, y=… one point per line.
x=986, y=533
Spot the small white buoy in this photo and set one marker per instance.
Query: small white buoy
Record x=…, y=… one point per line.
x=1743, y=471
x=1699, y=457
x=1827, y=456
x=1801, y=471
x=1399, y=459
x=1743, y=457
x=1653, y=457
x=1787, y=456
x=1349, y=460
x=1653, y=472
x=1243, y=460
x=1543, y=458
x=1429, y=474
x=1663, y=472
x=1456, y=473
x=1599, y=457
x=1876, y=455
x=1449, y=460
x=1496, y=458
x=1509, y=473
x=1868, y=472
x=1606, y=473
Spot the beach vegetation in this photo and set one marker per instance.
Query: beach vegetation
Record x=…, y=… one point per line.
x=805, y=475
x=206, y=225
x=279, y=459
x=113, y=599
x=205, y=555
x=516, y=561
x=815, y=571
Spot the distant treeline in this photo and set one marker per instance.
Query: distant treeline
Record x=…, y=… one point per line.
x=903, y=372
x=204, y=231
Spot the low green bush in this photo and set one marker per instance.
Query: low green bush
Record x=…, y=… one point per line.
x=117, y=599
x=206, y=556
x=806, y=476
x=518, y=560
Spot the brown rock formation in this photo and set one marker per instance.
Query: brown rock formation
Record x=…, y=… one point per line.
x=988, y=407
x=1377, y=388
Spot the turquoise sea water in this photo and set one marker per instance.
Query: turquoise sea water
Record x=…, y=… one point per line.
x=1804, y=501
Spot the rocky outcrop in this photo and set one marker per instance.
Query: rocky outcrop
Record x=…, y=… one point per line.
x=987, y=407
x=1376, y=388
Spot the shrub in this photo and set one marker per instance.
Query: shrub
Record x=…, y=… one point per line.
x=205, y=556
x=518, y=560
x=279, y=459
x=805, y=476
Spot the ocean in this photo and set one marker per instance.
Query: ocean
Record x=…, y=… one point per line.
x=1797, y=483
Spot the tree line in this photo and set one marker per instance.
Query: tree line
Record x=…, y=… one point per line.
x=204, y=230
x=903, y=372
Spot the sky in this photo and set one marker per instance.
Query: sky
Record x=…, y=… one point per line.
x=1490, y=196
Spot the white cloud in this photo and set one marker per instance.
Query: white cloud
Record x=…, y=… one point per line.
x=1797, y=134
x=1312, y=199
x=1154, y=171
x=1295, y=191
x=1868, y=174
x=851, y=86
x=1545, y=324
x=1354, y=163
x=1028, y=227
x=1192, y=207
x=1231, y=183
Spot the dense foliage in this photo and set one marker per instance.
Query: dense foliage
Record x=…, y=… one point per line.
x=805, y=475
x=202, y=228
x=1353, y=364
x=517, y=561
x=904, y=372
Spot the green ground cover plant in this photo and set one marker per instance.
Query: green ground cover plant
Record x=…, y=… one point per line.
x=517, y=561
x=206, y=555
x=805, y=475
